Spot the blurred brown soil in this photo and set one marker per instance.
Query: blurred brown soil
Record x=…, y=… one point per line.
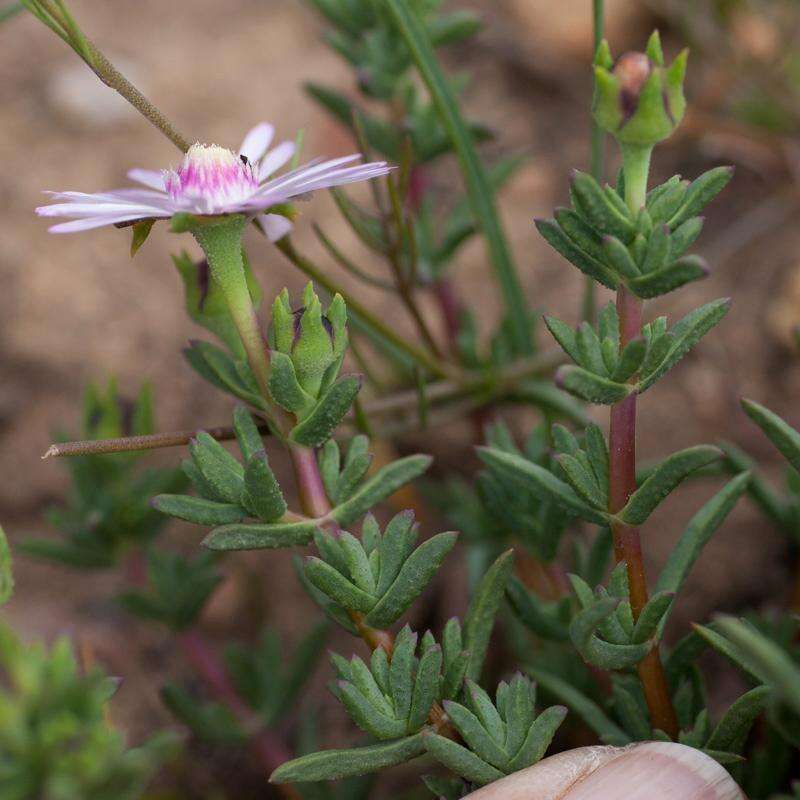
x=75, y=308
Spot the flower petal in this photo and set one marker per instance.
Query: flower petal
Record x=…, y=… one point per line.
x=257, y=141
x=149, y=177
x=275, y=159
x=275, y=226
x=92, y=222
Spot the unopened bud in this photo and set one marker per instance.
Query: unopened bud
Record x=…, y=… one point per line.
x=638, y=99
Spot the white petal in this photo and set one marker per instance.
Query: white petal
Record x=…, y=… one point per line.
x=275, y=226
x=91, y=222
x=275, y=159
x=308, y=170
x=149, y=177
x=257, y=141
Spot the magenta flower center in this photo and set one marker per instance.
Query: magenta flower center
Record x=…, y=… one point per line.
x=212, y=177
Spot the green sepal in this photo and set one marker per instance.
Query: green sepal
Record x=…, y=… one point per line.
x=320, y=423
x=590, y=387
x=380, y=486
x=669, y=473
x=330, y=765
x=413, y=577
x=260, y=537
x=685, y=270
x=283, y=385
x=140, y=230
x=262, y=494
x=197, y=509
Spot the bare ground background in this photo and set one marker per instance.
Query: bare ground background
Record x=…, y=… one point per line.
x=75, y=308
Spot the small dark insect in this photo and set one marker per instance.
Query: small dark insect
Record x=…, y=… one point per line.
x=245, y=159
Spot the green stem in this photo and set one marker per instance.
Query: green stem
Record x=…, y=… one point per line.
x=222, y=245
x=636, y=167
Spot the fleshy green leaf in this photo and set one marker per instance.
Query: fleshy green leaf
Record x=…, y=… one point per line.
x=329, y=765
x=780, y=433
x=379, y=486
x=662, y=281
x=482, y=611
x=590, y=387
x=412, y=579
x=259, y=537
x=667, y=475
x=198, y=510
x=541, y=481
x=322, y=421
x=685, y=334
x=460, y=760
x=262, y=493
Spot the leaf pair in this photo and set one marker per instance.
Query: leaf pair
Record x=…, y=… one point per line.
x=390, y=699
x=501, y=737
x=604, y=373
x=605, y=633
x=644, y=251
x=381, y=574
x=228, y=490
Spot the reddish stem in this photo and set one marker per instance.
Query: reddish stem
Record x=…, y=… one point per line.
x=314, y=502
x=627, y=542
x=451, y=308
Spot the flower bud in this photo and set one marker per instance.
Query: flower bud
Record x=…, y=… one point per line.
x=641, y=771
x=314, y=341
x=637, y=98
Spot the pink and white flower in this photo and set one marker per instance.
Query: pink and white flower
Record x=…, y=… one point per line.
x=213, y=180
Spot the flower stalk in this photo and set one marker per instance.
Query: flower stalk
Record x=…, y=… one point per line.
x=222, y=244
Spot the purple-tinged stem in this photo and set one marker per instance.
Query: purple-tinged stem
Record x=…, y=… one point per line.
x=627, y=541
